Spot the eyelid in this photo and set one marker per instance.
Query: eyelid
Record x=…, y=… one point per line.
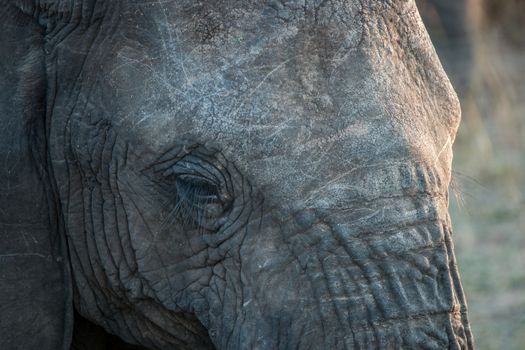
x=211, y=187
x=194, y=170
x=193, y=177
x=188, y=167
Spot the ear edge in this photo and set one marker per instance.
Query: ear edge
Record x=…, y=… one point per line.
x=33, y=250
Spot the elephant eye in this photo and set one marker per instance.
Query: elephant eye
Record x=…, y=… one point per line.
x=196, y=189
x=200, y=201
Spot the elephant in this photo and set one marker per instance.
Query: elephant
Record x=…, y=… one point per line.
x=225, y=175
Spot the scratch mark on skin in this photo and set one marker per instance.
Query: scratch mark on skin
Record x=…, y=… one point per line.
x=279, y=66
x=141, y=120
x=14, y=255
x=341, y=176
x=170, y=33
x=154, y=74
x=447, y=143
x=166, y=44
x=130, y=62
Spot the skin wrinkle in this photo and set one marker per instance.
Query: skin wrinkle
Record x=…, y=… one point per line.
x=295, y=255
x=332, y=293
x=158, y=255
x=233, y=196
x=457, y=286
x=121, y=256
x=104, y=161
x=277, y=67
x=103, y=273
x=86, y=244
x=366, y=193
x=129, y=253
x=244, y=281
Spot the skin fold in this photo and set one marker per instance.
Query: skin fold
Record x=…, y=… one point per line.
x=228, y=174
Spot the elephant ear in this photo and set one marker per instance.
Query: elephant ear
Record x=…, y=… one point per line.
x=35, y=288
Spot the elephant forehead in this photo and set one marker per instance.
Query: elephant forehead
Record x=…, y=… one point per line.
x=294, y=99
x=282, y=108
x=279, y=142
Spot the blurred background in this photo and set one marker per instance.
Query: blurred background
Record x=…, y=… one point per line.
x=481, y=44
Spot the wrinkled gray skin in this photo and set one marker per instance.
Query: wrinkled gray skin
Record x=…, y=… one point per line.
x=229, y=174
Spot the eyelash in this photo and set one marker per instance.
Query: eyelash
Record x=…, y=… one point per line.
x=196, y=189
x=199, y=201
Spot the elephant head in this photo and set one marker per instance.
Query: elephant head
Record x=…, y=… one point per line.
x=226, y=174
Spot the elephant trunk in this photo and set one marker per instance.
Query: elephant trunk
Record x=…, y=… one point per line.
x=374, y=274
